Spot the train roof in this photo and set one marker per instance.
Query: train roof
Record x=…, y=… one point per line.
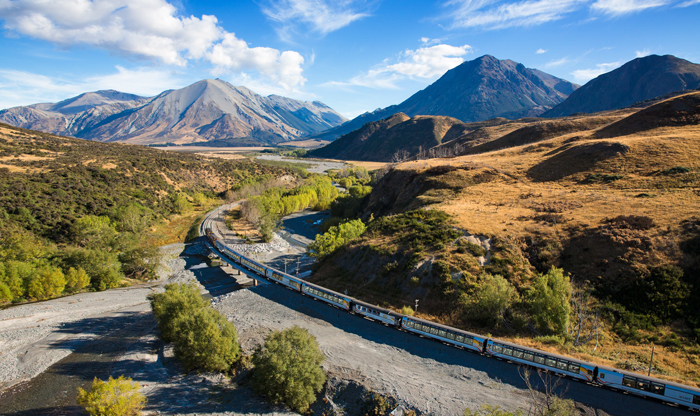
x=329, y=291
x=426, y=322
x=369, y=305
x=654, y=379
x=550, y=354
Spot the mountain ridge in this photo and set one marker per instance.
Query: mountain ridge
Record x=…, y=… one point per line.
x=476, y=90
x=204, y=111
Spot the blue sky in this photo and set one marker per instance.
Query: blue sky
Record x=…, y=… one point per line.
x=354, y=55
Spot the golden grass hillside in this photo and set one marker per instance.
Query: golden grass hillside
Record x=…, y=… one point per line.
x=611, y=198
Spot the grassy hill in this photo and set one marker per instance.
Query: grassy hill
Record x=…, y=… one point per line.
x=609, y=198
x=99, y=209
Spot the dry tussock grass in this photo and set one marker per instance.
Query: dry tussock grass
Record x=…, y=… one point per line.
x=522, y=202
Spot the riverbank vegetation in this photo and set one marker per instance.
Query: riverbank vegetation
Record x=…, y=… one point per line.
x=80, y=215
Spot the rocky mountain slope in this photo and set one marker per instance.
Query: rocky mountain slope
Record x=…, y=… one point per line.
x=476, y=90
x=205, y=111
x=638, y=80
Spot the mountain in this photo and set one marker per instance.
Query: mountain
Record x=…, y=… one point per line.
x=70, y=117
x=475, y=91
x=208, y=110
x=638, y=80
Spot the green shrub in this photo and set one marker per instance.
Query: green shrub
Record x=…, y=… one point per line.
x=336, y=237
x=114, y=397
x=76, y=279
x=676, y=170
x=548, y=301
x=489, y=300
x=376, y=404
x=102, y=266
x=407, y=310
x=178, y=299
x=205, y=340
x=601, y=178
x=288, y=368
x=45, y=282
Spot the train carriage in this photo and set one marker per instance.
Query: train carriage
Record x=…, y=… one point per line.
x=444, y=333
x=327, y=295
x=560, y=364
x=376, y=313
x=641, y=385
x=253, y=265
x=285, y=279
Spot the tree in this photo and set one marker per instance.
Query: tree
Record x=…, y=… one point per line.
x=547, y=402
x=140, y=262
x=548, y=300
x=114, y=397
x=330, y=241
x=76, y=279
x=490, y=299
x=181, y=205
x=176, y=300
x=46, y=282
x=205, y=340
x=288, y=368
x=102, y=266
x=93, y=231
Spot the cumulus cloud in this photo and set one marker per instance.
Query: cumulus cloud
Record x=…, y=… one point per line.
x=619, y=7
x=149, y=29
x=540, y=51
x=583, y=75
x=323, y=16
x=644, y=52
x=421, y=63
x=23, y=88
x=489, y=14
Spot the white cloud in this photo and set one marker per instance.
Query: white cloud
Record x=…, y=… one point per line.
x=148, y=29
x=540, y=51
x=489, y=14
x=424, y=63
x=557, y=63
x=24, y=88
x=689, y=3
x=619, y=7
x=583, y=75
x=644, y=52
x=323, y=16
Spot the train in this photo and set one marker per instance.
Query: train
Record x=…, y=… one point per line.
x=598, y=375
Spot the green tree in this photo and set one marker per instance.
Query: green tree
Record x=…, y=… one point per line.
x=489, y=300
x=336, y=237
x=549, y=301
x=199, y=199
x=14, y=275
x=46, y=282
x=76, y=279
x=114, y=397
x=178, y=299
x=141, y=262
x=181, y=205
x=288, y=369
x=133, y=218
x=359, y=191
x=102, y=266
x=205, y=340
x=94, y=231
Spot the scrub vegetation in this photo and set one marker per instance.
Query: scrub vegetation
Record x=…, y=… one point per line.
x=585, y=243
x=79, y=215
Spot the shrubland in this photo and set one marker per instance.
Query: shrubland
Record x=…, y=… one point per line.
x=77, y=215
x=585, y=244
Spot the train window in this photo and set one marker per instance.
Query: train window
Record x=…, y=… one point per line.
x=517, y=354
x=562, y=365
x=497, y=348
x=528, y=356
x=643, y=385
x=629, y=382
x=696, y=399
x=450, y=335
x=460, y=338
x=601, y=375
x=658, y=388
x=508, y=351
x=433, y=331
x=550, y=362
x=574, y=368
x=539, y=359
x=442, y=333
